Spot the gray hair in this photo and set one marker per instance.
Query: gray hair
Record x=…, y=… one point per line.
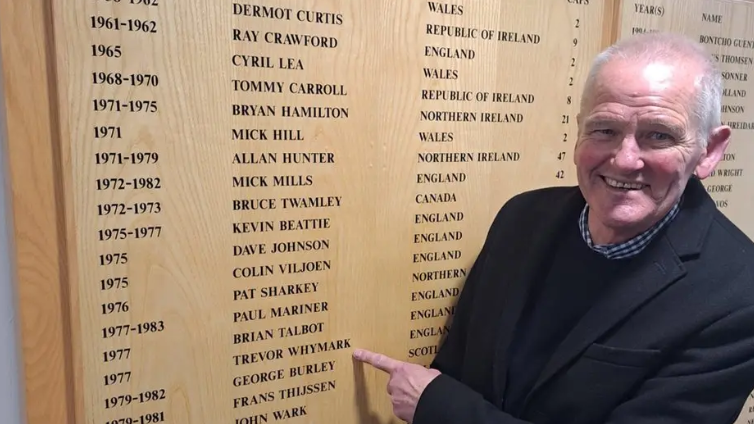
x=674, y=48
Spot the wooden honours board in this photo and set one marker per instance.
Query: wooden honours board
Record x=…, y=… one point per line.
x=726, y=29
x=216, y=201
x=253, y=190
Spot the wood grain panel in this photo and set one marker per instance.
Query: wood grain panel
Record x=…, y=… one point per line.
x=36, y=209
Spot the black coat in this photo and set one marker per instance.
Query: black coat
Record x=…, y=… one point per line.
x=671, y=342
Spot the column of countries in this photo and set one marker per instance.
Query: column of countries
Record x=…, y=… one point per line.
x=447, y=106
x=283, y=214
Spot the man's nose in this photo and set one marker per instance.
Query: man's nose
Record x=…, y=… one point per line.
x=628, y=156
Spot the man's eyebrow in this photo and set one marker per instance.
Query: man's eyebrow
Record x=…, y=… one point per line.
x=671, y=126
x=602, y=122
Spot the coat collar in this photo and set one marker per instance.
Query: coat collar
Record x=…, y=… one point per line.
x=647, y=274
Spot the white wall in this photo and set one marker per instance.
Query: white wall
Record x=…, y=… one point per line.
x=10, y=392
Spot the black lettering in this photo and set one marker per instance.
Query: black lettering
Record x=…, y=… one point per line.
x=717, y=19
x=433, y=313
x=251, y=158
x=719, y=188
x=302, y=40
x=252, y=315
x=254, y=204
x=265, y=12
x=649, y=9
x=288, y=289
x=253, y=227
x=444, y=8
x=438, y=217
x=498, y=156
x=429, y=332
x=252, y=336
x=290, y=413
x=452, y=31
x=444, y=274
x=515, y=37
x=435, y=198
x=737, y=125
x=733, y=109
x=316, y=89
x=311, y=202
x=744, y=44
x=300, y=246
x=512, y=98
x=735, y=60
x=253, y=110
x=715, y=40
x=449, y=53
x=257, y=86
x=447, y=116
x=579, y=2
x=300, y=309
x=319, y=347
x=440, y=178
x=436, y=137
x=249, y=249
x=450, y=74
x=310, y=369
x=435, y=294
x=436, y=256
x=308, y=157
x=448, y=95
x=324, y=18
x=729, y=92
x=242, y=60
x=304, y=267
x=425, y=157
x=307, y=389
x=438, y=237
x=245, y=401
x=249, y=181
x=253, y=271
x=301, y=330
x=292, y=180
x=315, y=112
x=422, y=351
x=735, y=76
x=305, y=224
x=257, y=378
x=250, y=134
x=257, y=357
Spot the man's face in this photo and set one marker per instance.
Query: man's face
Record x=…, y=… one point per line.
x=637, y=145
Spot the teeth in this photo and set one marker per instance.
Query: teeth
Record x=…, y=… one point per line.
x=619, y=184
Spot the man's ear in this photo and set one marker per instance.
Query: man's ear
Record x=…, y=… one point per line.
x=716, y=146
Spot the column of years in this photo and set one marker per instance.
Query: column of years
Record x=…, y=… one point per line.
x=283, y=210
x=126, y=187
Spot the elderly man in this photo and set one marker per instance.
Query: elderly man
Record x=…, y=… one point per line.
x=627, y=299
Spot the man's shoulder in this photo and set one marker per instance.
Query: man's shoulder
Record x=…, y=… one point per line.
x=539, y=203
x=727, y=238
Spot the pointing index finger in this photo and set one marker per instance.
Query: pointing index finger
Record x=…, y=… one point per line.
x=377, y=360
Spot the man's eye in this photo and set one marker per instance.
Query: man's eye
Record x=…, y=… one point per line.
x=660, y=136
x=603, y=131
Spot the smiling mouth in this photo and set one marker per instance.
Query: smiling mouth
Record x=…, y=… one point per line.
x=622, y=185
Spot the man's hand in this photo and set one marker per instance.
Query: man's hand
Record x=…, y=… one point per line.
x=406, y=384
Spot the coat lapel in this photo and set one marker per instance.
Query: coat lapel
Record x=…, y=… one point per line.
x=526, y=270
x=645, y=276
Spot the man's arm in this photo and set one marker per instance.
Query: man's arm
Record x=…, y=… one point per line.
x=707, y=382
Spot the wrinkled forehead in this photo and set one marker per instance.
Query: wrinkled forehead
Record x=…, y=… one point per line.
x=626, y=81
